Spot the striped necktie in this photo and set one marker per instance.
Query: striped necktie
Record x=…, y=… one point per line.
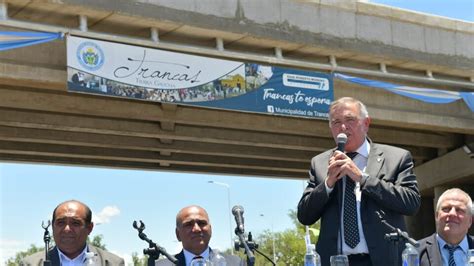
x=451, y=250
x=351, y=230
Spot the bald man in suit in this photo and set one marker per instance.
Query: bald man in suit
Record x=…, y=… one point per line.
x=194, y=230
x=72, y=224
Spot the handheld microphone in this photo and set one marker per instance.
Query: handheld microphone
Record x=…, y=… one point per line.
x=238, y=212
x=341, y=140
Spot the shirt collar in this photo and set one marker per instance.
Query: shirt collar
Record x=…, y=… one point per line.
x=190, y=256
x=463, y=244
x=79, y=259
x=364, y=149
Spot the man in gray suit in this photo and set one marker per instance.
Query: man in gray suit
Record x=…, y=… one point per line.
x=72, y=224
x=378, y=178
x=194, y=230
x=451, y=242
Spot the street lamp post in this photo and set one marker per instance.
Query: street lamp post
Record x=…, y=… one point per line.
x=227, y=186
x=273, y=239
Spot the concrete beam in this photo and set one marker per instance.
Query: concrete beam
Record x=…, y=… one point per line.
x=56, y=137
x=358, y=27
x=444, y=170
x=82, y=104
x=148, y=156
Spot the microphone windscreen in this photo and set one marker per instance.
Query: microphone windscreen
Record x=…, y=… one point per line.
x=237, y=209
x=341, y=138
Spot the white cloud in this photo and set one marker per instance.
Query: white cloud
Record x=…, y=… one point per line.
x=9, y=247
x=104, y=216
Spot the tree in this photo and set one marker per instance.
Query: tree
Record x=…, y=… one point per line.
x=139, y=261
x=290, y=245
x=97, y=241
x=22, y=254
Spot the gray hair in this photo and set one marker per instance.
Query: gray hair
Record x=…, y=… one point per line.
x=363, y=113
x=455, y=191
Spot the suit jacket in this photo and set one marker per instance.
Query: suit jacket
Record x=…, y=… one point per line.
x=429, y=250
x=391, y=187
x=231, y=260
x=105, y=258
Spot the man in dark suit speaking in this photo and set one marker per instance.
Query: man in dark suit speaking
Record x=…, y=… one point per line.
x=450, y=244
x=346, y=188
x=194, y=230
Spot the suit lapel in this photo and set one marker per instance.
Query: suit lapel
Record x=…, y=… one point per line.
x=375, y=161
x=54, y=256
x=181, y=259
x=374, y=164
x=434, y=254
x=470, y=242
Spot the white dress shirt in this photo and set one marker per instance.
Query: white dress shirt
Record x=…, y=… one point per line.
x=190, y=256
x=361, y=161
x=77, y=261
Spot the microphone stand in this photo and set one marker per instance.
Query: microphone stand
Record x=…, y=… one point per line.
x=154, y=251
x=396, y=235
x=246, y=245
x=46, y=239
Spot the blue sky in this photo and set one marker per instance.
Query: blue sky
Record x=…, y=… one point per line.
x=29, y=192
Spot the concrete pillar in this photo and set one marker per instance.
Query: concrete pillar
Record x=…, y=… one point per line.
x=220, y=44
x=83, y=23
x=154, y=34
x=278, y=53
x=422, y=224
x=3, y=10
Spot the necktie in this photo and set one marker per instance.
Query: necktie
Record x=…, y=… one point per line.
x=451, y=250
x=198, y=261
x=351, y=231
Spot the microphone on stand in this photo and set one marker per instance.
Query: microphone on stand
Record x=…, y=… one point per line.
x=238, y=212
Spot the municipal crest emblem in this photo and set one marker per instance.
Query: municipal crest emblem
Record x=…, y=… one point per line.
x=90, y=56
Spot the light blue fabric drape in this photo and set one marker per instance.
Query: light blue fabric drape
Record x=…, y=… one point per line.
x=422, y=94
x=11, y=40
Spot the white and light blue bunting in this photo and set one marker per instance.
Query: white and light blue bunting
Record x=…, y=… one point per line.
x=422, y=94
x=12, y=40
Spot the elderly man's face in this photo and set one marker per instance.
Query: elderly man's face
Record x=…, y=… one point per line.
x=345, y=118
x=453, y=219
x=70, y=229
x=193, y=229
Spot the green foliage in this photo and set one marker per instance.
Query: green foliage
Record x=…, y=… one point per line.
x=139, y=261
x=290, y=245
x=97, y=241
x=19, y=256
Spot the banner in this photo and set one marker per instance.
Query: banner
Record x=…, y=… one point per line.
x=114, y=69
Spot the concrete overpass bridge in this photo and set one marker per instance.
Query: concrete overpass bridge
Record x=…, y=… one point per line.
x=40, y=121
